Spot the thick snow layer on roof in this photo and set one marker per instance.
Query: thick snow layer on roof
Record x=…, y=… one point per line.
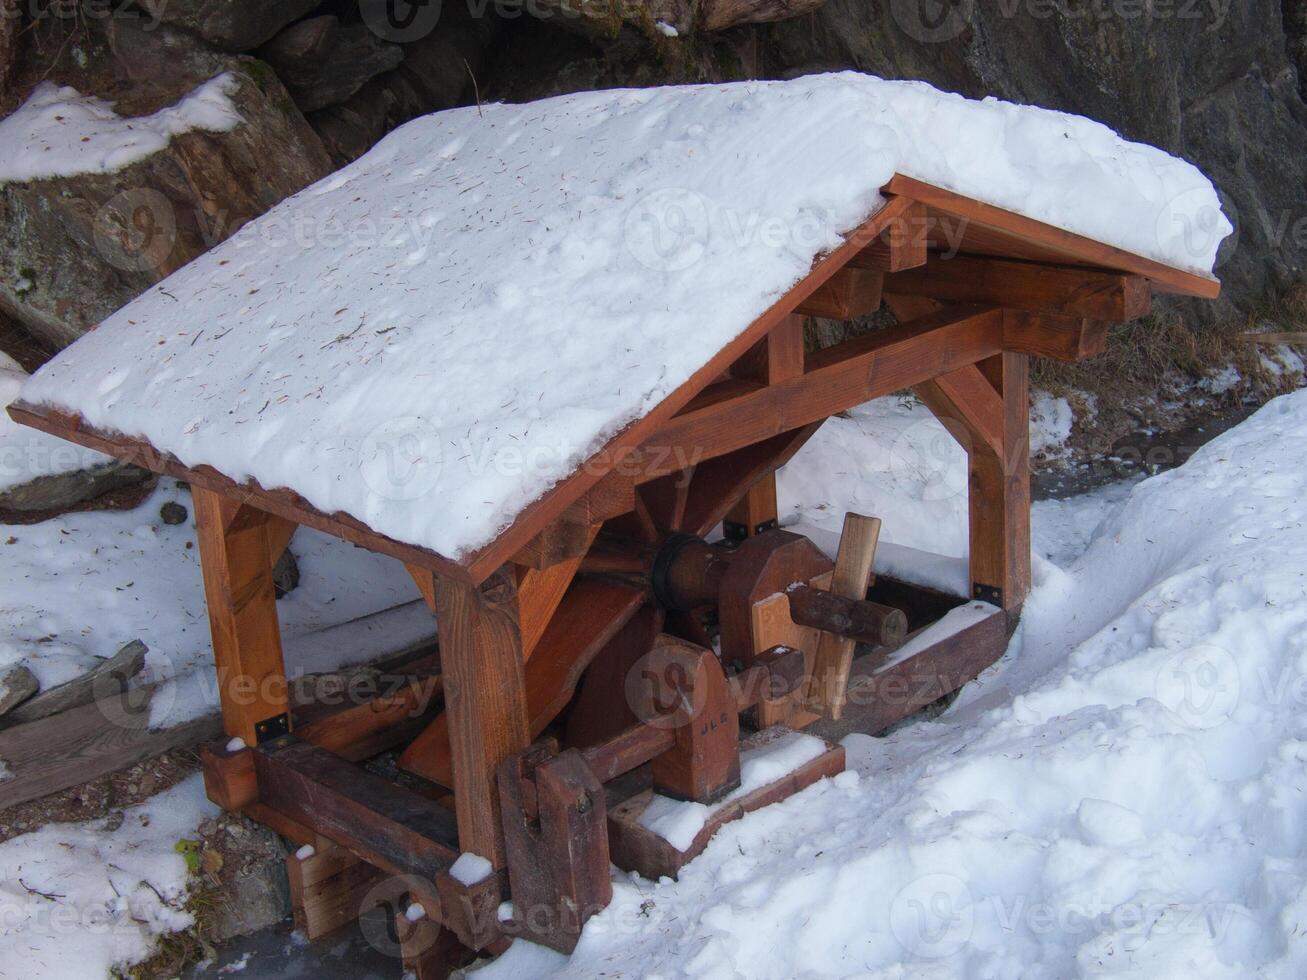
x=58, y=132
x=437, y=334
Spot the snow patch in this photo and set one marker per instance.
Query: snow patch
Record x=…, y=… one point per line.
x=81, y=900
x=59, y=132
x=470, y=868
x=1050, y=425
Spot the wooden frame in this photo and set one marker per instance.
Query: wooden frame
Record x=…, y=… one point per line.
x=552, y=613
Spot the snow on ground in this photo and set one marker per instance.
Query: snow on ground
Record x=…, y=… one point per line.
x=432, y=337
x=76, y=588
x=58, y=132
x=78, y=900
x=1124, y=794
x=26, y=454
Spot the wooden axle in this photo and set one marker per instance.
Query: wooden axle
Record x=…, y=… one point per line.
x=688, y=573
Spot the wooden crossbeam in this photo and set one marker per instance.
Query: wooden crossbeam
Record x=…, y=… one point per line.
x=901, y=246
x=836, y=379
x=1059, y=337
x=1031, y=286
x=966, y=397
x=849, y=293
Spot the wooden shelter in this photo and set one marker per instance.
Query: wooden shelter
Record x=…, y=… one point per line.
x=576, y=654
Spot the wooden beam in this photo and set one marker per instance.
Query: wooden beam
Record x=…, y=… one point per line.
x=1059, y=337
x=847, y=294
x=539, y=592
x=485, y=700
x=966, y=397
x=837, y=378
x=999, y=493
x=1072, y=248
x=1031, y=286
x=901, y=246
x=393, y=828
x=242, y=605
x=834, y=656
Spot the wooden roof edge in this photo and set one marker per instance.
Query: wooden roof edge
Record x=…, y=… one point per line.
x=283, y=502
x=1165, y=278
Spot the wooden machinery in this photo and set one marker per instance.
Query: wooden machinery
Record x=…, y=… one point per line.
x=611, y=647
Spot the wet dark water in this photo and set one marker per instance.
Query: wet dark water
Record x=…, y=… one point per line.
x=1141, y=453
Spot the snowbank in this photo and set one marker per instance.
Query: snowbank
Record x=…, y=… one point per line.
x=26, y=454
x=80, y=900
x=434, y=336
x=73, y=589
x=59, y=132
x=1124, y=795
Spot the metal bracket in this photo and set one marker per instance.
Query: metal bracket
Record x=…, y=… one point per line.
x=736, y=532
x=988, y=593
x=274, y=727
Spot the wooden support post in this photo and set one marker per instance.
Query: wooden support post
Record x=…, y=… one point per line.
x=778, y=358
x=236, y=558
x=853, y=569
x=485, y=699
x=999, y=492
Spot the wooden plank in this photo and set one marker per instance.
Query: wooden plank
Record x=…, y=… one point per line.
x=1069, y=246
x=485, y=701
x=1058, y=337
x=390, y=827
x=1031, y=286
x=879, y=696
x=636, y=848
x=328, y=888
x=853, y=563
x=360, y=731
x=76, y=746
x=591, y=613
x=755, y=512
x=242, y=607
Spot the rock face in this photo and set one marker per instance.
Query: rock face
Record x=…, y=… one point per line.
x=1210, y=82
x=17, y=684
x=229, y=25
x=74, y=249
x=108, y=678
x=9, y=25
x=323, y=63
x=64, y=490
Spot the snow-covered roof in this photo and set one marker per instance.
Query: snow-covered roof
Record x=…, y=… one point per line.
x=431, y=338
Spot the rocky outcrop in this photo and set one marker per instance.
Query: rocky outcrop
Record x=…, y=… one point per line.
x=1210, y=82
x=229, y=25
x=74, y=249
x=323, y=63
x=9, y=36
x=17, y=684
x=106, y=679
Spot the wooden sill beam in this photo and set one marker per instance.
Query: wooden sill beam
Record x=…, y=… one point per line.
x=1032, y=286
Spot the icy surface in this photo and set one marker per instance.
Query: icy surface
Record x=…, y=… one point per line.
x=83, y=901
x=26, y=454
x=1123, y=795
x=59, y=132
x=434, y=336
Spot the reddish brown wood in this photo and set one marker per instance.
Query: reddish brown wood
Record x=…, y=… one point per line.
x=901, y=246
x=1031, y=286
x=879, y=695
x=1061, y=338
x=601, y=708
x=992, y=230
x=849, y=293
x=241, y=600
x=853, y=565
x=229, y=778
x=329, y=888
x=556, y=839
x=762, y=566
x=684, y=688
x=861, y=621
x=999, y=494
x=636, y=848
x=390, y=827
